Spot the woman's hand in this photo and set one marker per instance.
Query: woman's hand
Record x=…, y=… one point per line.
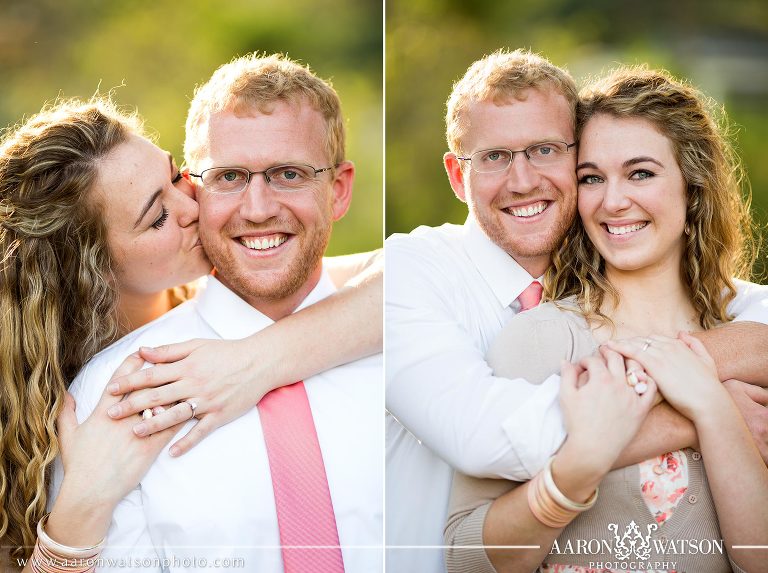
x=103, y=461
x=683, y=369
x=215, y=374
x=602, y=412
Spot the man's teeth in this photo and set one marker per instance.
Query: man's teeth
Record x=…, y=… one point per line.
x=625, y=229
x=265, y=242
x=530, y=210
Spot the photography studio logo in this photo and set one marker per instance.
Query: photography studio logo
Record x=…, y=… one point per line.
x=632, y=543
x=636, y=549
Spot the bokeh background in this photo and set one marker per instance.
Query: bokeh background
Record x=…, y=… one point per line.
x=154, y=52
x=721, y=47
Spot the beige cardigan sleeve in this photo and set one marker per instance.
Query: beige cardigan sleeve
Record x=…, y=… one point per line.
x=531, y=346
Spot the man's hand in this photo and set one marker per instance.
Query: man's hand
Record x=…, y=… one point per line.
x=752, y=402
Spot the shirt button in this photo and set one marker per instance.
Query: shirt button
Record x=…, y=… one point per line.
x=692, y=499
x=696, y=456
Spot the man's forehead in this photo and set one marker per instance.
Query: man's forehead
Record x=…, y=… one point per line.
x=529, y=117
x=279, y=132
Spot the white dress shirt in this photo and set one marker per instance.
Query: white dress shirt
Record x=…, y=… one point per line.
x=216, y=502
x=449, y=291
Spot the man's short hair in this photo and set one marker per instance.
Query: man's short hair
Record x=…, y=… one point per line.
x=500, y=77
x=254, y=83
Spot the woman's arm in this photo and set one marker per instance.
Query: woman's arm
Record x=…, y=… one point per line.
x=103, y=460
x=352, y=270
x=598, y=407
x=737, y=476
x=228, y=378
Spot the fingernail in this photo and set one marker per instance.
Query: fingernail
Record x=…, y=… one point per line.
x=115, y=388
x=114, y=411
x=140, y=430
x=145, y=349
x=174, y=451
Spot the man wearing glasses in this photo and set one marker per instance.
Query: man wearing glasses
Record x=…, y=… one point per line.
x=295, y=484
x=450, y=289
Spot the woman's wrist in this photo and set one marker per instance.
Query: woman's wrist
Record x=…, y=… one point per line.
x=79, y=518
x=577, y=469
x=709, y=404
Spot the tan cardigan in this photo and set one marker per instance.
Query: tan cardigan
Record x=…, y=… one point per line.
x=531, y=346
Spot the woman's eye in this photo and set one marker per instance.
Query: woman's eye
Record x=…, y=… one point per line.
x=589, y=180
x=160, y=221
x=641, y=174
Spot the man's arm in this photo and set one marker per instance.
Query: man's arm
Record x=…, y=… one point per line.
x=439, y=385
x=740, y=350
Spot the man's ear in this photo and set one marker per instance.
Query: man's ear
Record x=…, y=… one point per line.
x=455, y=175
x=344, y=176
x=189, y=187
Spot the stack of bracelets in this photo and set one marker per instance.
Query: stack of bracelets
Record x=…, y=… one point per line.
x=549, y=505
x=52, y=557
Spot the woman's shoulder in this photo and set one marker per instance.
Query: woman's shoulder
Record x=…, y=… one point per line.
x=543, y=336
x=551, y=317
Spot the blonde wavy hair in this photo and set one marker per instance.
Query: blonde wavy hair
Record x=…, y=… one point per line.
x=719, y=241
x=57, y=295
x=501, y=77
x=256, y=82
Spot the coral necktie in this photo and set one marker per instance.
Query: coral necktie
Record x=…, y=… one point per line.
x=304, y=510
x=531, y=296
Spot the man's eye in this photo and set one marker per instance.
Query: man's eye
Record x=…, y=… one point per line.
x=495, y=156
x=230, y=176
x=290, y=174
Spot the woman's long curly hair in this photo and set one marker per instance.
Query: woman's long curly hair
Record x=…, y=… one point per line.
x=719, y=241
x=57, y=294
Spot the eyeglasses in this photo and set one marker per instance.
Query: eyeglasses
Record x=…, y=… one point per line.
x=228, y=180
x=539, y=154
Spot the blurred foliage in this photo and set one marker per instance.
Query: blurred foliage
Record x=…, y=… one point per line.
x=722, y=47
x=153, y=53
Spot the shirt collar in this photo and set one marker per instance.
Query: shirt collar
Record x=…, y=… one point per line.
x=503, y=274
x=232, y=318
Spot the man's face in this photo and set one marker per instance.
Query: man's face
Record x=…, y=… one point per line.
x=267, y=245
x=525, y=210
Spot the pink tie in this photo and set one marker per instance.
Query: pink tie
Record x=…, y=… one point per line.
x=531, y=296
x=304, y=509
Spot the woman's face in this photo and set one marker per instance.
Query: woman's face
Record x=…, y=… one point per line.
x=151, y=219
x=632, y=195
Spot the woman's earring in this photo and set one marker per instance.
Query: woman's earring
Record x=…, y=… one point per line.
x=687, y=229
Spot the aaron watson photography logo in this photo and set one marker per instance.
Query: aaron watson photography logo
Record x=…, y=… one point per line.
x=632, y=548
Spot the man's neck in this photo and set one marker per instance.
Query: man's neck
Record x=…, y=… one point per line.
x=534, y=266
x=278, y=308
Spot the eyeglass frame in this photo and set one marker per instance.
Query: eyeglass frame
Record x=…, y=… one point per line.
x=512, y=153
x=263, y=173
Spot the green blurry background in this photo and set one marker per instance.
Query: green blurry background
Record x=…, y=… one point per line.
x=722, y=47
x=158, y=50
